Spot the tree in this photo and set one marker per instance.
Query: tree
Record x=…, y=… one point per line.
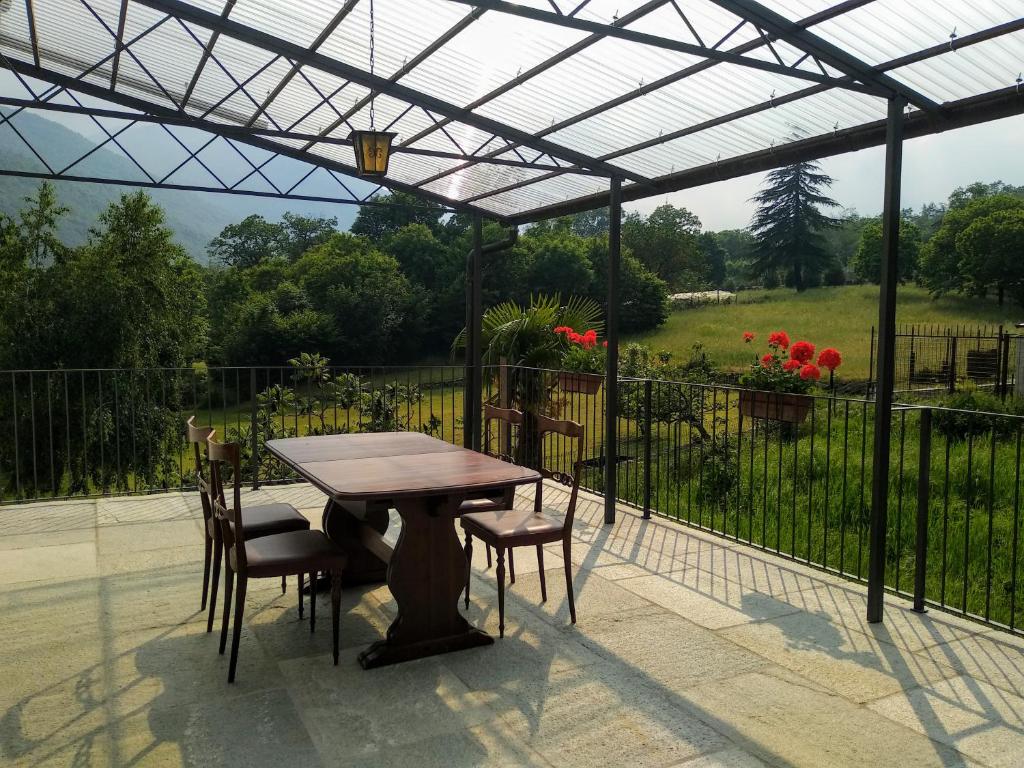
x=962, y=196
x=866, y=262
x=373, y=308
x=300, y=233
x=942, y=270
x=714, y=255
x=789, y=223
x=131, y=297
x=643, y=296
x=992, y=248
x=395, y=210
x=559, y=265
x=666, y=243
x=248, y=243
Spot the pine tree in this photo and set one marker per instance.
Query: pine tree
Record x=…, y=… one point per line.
x=789, y=222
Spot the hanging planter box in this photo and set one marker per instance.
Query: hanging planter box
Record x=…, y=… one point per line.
x=584, y=383
x=775, y=406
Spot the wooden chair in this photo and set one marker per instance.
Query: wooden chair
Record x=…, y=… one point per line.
x=507, y=418
x=506, y=529
x=276, y=555
x=261, y=520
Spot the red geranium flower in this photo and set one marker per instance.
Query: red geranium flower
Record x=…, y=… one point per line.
x=791, y=365
x=563, y=329
x=830, y=358
x=779, y=339
x=747, y=337
x=802, y=351
x=810, y=372
x=605, y=344
x=574, y=337
x=767, y=360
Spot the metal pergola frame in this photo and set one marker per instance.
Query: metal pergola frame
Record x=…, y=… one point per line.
x=73, y=83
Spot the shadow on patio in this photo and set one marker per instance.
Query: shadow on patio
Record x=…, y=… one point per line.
x=690, y=650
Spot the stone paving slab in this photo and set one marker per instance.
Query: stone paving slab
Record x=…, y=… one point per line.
x=689, y=651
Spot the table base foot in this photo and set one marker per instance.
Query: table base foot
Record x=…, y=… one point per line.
x=383, y=653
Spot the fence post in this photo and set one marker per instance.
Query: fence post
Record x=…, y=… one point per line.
x=254, y=435
x=924, y=467
x=871, y=362
x=952, y=363
x=647, y=448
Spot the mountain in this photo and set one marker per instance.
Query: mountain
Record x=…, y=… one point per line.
x=195, y=217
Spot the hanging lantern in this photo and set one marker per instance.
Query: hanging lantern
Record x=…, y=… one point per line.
x=373, y=149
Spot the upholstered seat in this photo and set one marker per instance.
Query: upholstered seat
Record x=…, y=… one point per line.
x=286, y=553
x=267, y=519
x=512, y=523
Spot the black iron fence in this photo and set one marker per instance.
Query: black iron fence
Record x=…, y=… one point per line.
x=933, y=358
x=790, y=475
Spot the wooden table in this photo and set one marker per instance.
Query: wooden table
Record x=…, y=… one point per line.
x=427, y=480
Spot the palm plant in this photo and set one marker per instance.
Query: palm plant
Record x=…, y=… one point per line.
x=524, y=338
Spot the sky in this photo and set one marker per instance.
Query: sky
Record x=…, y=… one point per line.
x=933, y=166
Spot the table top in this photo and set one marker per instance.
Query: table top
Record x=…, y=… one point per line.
x=385, y=465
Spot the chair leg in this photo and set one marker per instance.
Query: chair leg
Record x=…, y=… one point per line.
x=501, y=591
x=511, y=567
x=207, y=558
x=312, y=602
x=568, y=579
x=218, y=555
x=469, y=564
x=543, y=583
x=229, y=581
x=284, y=584
x=335, y=610
x=236, y=630
x=488, y=547
x=301, y=607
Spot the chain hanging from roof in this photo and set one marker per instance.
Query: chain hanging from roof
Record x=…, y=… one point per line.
x=372, y=147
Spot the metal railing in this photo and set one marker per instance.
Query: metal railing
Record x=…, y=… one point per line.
x=787, y=475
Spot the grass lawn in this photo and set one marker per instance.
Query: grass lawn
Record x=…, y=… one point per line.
x=838, y=317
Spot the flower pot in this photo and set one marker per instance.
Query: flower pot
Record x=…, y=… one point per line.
x=775, y=406
x=585, y=383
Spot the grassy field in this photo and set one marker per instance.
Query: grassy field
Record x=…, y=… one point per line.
x=839, y=317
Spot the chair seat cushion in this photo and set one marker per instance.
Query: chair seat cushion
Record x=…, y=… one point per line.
x=267, y=519
x=284, y=554
x=511, y=524
x=482, y=505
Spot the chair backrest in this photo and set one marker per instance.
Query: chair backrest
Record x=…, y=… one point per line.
x=198, y=437
x=229, y=515
x=545, y=425
x=507, y=418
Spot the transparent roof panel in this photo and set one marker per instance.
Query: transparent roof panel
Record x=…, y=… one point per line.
x=600, y=85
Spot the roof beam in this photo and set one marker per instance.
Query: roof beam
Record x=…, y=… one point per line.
x=675, y=77
x=937, y=50
x=30, y=14
x=173, y=116
x=207, y=52
x=544, y=66
x=297, y=53
x=406, y=68
x=118, y=43
x=656, y=41
x=325, y=33
x=243, y=134
x=767, y=19
x=996, y=105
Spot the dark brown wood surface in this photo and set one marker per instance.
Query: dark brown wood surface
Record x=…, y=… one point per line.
x=426, y=480
x=392, y=465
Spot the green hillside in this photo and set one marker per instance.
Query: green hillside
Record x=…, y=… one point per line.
x=195, y=217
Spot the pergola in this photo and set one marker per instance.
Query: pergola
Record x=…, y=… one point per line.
x=518, y=111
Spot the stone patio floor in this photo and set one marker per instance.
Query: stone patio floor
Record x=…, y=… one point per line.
x=690, y=651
